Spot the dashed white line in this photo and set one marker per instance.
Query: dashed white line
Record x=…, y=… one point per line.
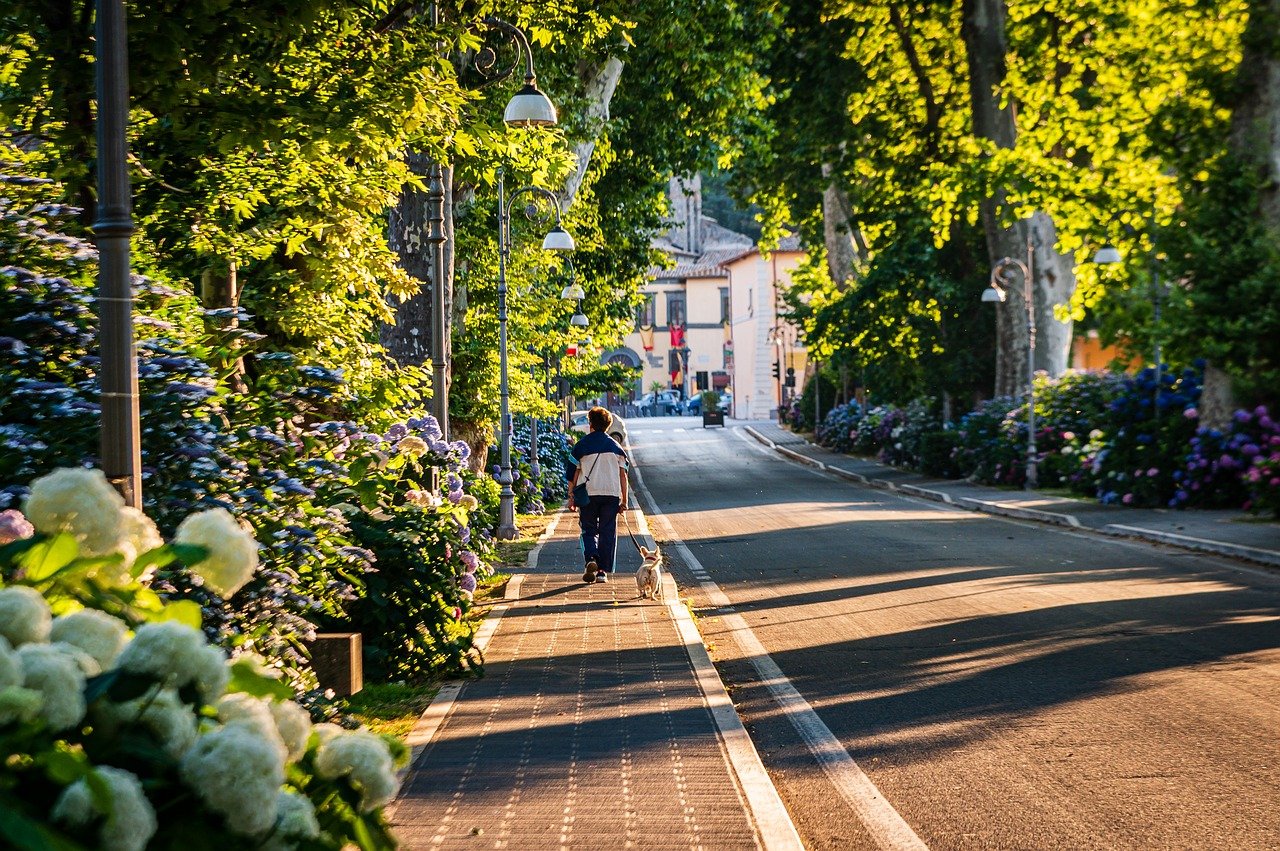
x=889, y=829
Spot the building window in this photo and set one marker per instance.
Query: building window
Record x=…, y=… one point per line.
x=724, y=305
x=675, y=309
x=646, y=313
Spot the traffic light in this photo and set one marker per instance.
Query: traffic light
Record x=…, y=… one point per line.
x=777, y=372
x=791, y=377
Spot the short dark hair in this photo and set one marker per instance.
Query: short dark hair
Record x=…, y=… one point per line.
x=600, y=418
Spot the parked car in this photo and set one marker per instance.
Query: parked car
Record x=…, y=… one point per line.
x=617, y=428
x=659, y=404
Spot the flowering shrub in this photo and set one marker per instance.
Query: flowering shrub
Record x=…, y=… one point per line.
x=1228, y=469
x=989, y=450
x=122, y=728
x=262, y=449
x=404, y=494
x=1145, y=438
x=837, y=428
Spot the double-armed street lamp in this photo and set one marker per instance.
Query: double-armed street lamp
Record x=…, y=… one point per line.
x=557, y=239
x=998, y=291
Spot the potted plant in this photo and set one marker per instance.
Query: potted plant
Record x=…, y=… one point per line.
x=711, y=413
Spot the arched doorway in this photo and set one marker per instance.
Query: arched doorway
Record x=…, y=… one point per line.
x=622, y=403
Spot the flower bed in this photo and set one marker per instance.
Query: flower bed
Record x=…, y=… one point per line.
x=1128, y=440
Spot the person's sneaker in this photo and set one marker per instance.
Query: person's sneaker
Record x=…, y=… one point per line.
x=589, y=575
x=601, y=576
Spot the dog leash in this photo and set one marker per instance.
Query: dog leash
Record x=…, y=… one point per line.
x=635, y=543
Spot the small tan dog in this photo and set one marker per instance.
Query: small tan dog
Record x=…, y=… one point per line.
x=649, y=576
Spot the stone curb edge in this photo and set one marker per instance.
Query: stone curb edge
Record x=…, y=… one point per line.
x=428, y=723
x=1188, y=542
x=1069, y=521
x=774, y=828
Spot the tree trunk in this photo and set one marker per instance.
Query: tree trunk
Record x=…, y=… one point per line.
x=1255, y=139
x=599, y=83
x=408, y=341
x=1053, y=281
x=843, y=241
x=1255, y=115
x=220, y=288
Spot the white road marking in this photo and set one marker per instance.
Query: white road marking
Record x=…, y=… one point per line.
x=776, y=830
x=878, y=816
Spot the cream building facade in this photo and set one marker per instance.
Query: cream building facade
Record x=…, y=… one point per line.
x=710, y=321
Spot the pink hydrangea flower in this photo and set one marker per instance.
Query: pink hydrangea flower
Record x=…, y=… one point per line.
x=14, y=527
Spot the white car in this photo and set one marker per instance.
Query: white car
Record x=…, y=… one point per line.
x=617, y=428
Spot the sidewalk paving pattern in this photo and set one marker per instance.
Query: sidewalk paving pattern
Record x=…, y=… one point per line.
x=588, y=730
x=1229, y=533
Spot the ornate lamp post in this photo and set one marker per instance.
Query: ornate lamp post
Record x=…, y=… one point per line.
x=557, y=239
x=1001, y=281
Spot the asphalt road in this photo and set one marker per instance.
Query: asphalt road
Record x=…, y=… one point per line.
x=1002, y=684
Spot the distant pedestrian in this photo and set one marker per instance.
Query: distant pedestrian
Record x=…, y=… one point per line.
x=602, y=468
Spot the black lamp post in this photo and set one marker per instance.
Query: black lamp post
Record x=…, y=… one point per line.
x=118, y=370
x=557, y=239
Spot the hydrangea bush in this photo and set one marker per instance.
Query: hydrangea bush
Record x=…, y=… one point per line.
x=1232, y=467
x=1124, y=439
x=122, y=728
x=264, y=447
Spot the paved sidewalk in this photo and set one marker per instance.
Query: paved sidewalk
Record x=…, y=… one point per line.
x=1229, y=533
x=590, y=729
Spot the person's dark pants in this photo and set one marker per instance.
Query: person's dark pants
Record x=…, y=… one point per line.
x=598, y=521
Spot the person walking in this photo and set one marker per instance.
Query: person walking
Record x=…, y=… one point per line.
x=601, y=466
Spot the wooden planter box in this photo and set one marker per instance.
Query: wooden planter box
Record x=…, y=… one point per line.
x=712, y=418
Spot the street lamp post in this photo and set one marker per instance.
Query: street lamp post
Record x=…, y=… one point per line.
x=118, y=373
x=998, y=292
x=557, y=239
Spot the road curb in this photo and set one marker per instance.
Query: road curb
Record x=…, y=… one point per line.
x=774, y=827
x=1017, y=512
x=926, y=493
x=1188, y=542
x=760, y=437
x=803, y=459
x=428, y=723
x=1055, y=518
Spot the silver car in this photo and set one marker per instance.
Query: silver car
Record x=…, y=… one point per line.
x=617, y=428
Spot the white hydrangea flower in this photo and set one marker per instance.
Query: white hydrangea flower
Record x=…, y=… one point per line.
x=363, y=756
x=81, y=502
x=10, y=667
x=254, y=711
x=295, y=819
x=413, y=446
x=233, y=552
x=294, y=725
x=326, y=732
x=55, y=670
x=130, y=824
x=176, y=654
x=237, y=772
x=138, y=534
x=24, y=616
x=97, y=633
x=170, y=720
